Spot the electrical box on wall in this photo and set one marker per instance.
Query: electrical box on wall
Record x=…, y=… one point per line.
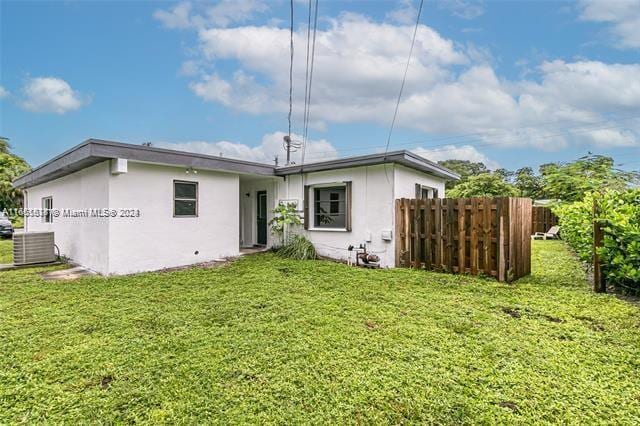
x=386, y=235
x=118, y=166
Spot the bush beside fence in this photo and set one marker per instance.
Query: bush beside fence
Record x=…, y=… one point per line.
x=617, y=214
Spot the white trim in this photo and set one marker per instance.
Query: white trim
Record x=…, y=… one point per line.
x=328, y=229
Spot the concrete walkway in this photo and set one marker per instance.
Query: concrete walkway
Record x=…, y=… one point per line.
x=68, y=274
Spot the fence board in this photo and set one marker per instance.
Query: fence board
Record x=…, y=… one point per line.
x=465, y=235
x=542, y=218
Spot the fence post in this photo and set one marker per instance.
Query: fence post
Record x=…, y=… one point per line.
x=599, y=282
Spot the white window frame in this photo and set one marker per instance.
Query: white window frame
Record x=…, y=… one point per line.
x=312, y=206
x=47, y=216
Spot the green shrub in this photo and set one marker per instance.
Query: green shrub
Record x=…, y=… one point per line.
x=619, y=214
x=576, y=226
x=621, y=248
x=298, y=247
x=285, y=217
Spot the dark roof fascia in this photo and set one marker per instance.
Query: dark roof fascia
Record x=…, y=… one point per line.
x=94, y=151
x=405, y=158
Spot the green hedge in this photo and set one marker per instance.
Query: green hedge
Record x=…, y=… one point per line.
x=619, y=213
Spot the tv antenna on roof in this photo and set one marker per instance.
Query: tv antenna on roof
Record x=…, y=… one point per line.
x=290, y=146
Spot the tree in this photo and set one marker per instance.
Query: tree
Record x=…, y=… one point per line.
x=11, y=166
x=528, y=183
x=464, y=168
x=570, y=181
x=483, y=185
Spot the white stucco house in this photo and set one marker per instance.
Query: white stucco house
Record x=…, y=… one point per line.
x=119, y=208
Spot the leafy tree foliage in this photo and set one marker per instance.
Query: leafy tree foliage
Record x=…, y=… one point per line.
x=464, y=168
x=483, y=185
x=562, y=181
x=11, y=166
x=571, y=181
x=528, y=183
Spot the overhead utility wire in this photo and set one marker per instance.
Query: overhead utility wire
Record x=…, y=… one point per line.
x=568, y=131
x=291, y=72
x=404, y=78
x=308, y=100
x=452, y=146
x=306, y=72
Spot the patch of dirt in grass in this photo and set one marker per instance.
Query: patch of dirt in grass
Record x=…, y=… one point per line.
x=593, y=324
x=513, y=313
x=371, y=325
x=510, y=405
x=552, y=318
x=285, y=271
x=243, y=375
x=105, y=382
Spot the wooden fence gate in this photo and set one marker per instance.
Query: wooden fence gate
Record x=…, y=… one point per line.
x=490, y=236
x=542, y=218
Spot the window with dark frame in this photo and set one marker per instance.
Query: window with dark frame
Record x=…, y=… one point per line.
x=185, y=199
x=47, y=205
x=329, y=207
x=427, y=192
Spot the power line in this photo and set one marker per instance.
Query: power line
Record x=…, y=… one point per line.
x=306, y=72
x=308, y=100
x=291, y=71
x=567, y=132
x=404, y=78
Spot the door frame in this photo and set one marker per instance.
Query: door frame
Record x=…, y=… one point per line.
x=259, y=196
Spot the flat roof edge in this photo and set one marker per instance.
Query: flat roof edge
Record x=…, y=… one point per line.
x=405, y=158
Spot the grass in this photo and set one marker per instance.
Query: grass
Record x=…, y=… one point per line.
x=6, y=251
x=267, y=339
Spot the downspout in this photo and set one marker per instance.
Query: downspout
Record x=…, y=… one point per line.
x=25, y=217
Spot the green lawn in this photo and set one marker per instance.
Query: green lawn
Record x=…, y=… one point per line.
x=271, y=340
x=6, y=254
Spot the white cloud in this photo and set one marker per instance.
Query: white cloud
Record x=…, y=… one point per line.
x=622, y=15
x=3, y=92
x=405, y=14
x=189, y=68
x=227, y=12
x=453, y=152
x=50, y=94
x=465, y=9
x=177, y=17
x=450, y=89
x=270, y=146
x=200, y=15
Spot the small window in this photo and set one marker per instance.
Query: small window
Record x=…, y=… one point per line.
x=330, y=207
x=47, y=205
x=185, y=199
x=424, y=192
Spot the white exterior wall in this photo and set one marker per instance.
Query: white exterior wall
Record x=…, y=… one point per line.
x=406, y=179
x=249, y=206
x=372, y=206
x=158, y=240
x=226, y=216
x=371, y=210
x=82, y=240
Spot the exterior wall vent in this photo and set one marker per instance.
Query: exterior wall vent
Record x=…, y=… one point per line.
x=33, y=247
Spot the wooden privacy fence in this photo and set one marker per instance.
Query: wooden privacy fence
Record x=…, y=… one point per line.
x=490, y=236
x=542, y=218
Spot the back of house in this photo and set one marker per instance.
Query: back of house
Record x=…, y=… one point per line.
x=119, y=208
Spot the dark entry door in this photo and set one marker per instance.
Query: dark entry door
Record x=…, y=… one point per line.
x=262, y=218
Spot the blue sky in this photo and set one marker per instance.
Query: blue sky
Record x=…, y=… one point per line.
x=508, y=83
